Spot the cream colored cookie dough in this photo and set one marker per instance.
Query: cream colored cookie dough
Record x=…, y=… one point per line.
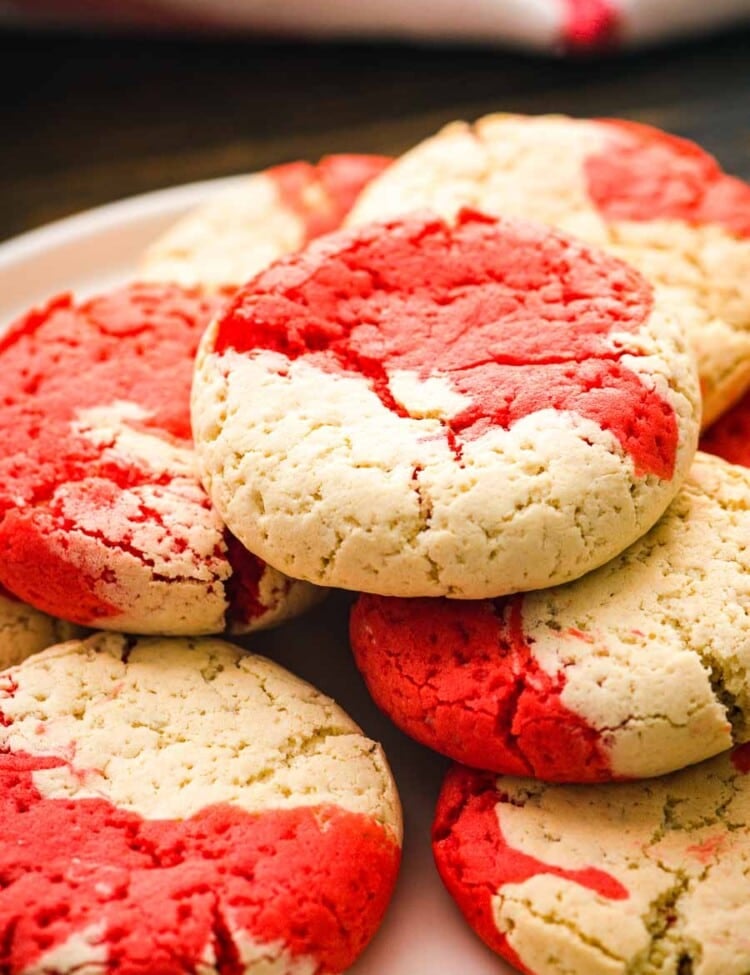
x=227, y=240
x=24, y=630
x=166, y=728
x=534, y=167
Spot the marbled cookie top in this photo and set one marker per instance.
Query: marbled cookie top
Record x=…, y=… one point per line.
x=648, y=878
x=102, y=518
x=179, y=805
x=424, y=408
x=659, y=202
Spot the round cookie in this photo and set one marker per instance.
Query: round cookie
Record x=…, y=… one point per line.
x=103, y=520
x=24, y=630
x=637, y=669
x=729, y=436
x=649, y=878
x=421, y=409
x=242, y=230
x=179, y=805
x=659, y=202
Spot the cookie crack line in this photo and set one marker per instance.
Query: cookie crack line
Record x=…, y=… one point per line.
x=512, y=738
x=557, y=921
x=668, y=822
x=729, y=700
x=293, y=748
x=716, y=666
x=660, y=920
x=228, y=959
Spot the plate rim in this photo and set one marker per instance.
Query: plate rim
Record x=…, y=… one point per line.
x=127, y=208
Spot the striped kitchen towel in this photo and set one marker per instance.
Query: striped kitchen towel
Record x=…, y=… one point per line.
x=540, y=24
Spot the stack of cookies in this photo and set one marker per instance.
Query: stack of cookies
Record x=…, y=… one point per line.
x=468, y=385
x=169, y=802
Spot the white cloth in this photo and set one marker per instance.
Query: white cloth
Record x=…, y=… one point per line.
x=540, y=24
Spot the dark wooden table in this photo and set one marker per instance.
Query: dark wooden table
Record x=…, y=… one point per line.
x=88, y=120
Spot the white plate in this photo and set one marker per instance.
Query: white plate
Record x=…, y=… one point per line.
x=423, y=933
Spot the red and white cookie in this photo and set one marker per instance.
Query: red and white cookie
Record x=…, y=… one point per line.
x=24, y=630
x=242, y=230
x=657, y=201
x=424, y=408
x=648, y=878
x=103, y=520
x=174, y=806
x=637, y=669
x=729, y=436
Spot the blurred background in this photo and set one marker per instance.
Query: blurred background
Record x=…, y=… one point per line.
x=106, y=100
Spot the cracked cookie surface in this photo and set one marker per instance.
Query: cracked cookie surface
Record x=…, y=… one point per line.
x=244, y=229
x=418, y=408
x=103, y=520
x=24, y=630
x=179, y=805
x=647, y=878
x=637, y=669
x=659, y=202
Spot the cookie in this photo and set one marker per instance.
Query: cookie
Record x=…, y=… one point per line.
x=103, y=520
x=175, y=806
x=24, y=630
x=242, y=230
x=637, y=669
x=419, y=408
x=729, y=436
x=648, y=878
x=657, y=201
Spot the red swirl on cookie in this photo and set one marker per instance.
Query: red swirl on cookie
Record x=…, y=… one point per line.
x=168, y=895
x=321, y=196
x=475, y=861
x=461, y=678
x=102, y=517
x=515, y=318
x=645, y=174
